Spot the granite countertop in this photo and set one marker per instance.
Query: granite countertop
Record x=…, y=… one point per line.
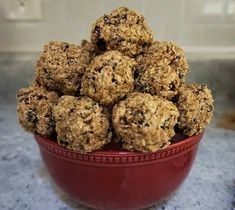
x=25, y=183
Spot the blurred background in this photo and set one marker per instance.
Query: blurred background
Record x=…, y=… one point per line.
x=196, y=25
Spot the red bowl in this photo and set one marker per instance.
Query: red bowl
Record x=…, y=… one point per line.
x=119, y=179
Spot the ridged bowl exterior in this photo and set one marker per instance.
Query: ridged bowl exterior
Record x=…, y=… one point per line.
x=119, y=179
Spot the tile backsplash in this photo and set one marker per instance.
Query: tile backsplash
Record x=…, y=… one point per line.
x=190, y=23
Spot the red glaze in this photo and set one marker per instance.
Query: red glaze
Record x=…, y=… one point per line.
x=119, y=179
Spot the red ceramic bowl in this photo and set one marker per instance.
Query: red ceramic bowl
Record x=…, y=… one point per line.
x=119, y=179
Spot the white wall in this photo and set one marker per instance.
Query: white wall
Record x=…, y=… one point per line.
x=193, y=24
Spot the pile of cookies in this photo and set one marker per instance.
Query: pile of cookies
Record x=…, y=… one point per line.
x=120, y=86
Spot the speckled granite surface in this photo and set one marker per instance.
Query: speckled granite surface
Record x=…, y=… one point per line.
x=24, y=181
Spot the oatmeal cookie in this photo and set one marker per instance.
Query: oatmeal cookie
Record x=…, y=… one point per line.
x=62, y=65
x=195, y=104
x=161, y=54
x=145, y=122
x=157, y=80
x=161, y=70
x=124, y=30
x=34, y=109
x=109, y=77
x=81, y=124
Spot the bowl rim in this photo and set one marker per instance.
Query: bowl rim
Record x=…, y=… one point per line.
x=188, y=140
x=117, y=158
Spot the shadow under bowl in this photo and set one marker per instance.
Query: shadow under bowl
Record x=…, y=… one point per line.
x=119, y=179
